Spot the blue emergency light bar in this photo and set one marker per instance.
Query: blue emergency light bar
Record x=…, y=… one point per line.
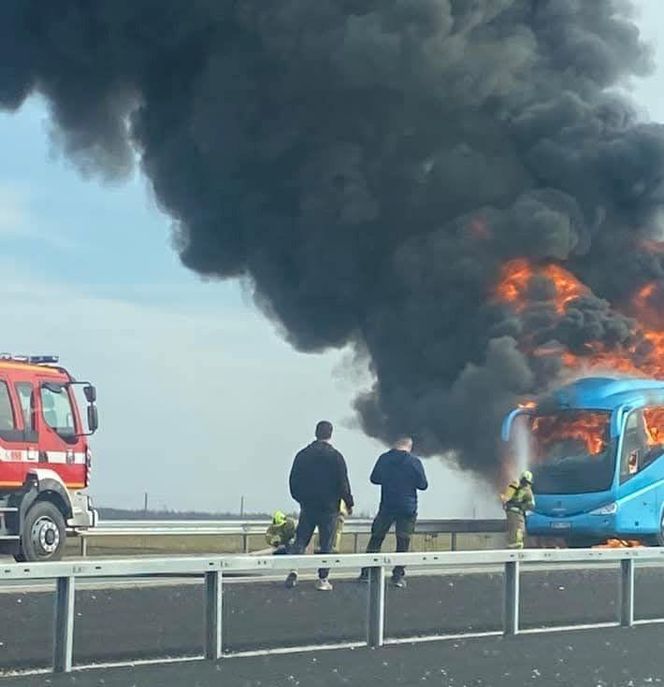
x=32, y=359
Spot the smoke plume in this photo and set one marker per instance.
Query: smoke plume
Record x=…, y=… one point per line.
x=372, y=166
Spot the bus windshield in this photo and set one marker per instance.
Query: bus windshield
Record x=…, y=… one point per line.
x=571, y=452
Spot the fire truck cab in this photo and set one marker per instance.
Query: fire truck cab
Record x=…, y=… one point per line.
x=44, y=457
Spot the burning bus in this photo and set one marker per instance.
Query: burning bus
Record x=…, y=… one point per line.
x=596, y=449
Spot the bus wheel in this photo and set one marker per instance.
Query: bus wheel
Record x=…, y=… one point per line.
x=44, y=535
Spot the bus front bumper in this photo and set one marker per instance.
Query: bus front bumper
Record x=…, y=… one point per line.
x=584, y=524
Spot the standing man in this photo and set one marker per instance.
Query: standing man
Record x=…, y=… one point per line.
x=518, y=500
x=400, y=475
x=318, y=482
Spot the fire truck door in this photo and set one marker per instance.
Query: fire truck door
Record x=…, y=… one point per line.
x=57, y=429
x=26, y=396
x=15, y=451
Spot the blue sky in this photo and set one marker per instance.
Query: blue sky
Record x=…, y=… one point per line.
x=85, y=220
x=201, y=401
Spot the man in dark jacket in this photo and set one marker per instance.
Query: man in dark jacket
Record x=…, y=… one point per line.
x=318, y=482
x=400, y=474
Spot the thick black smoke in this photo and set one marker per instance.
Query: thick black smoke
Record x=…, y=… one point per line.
x=370, y=164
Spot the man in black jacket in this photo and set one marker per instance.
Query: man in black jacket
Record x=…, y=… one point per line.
x=400, y=475
x=318, y=482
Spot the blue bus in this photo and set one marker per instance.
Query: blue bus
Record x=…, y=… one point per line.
x=596, y=450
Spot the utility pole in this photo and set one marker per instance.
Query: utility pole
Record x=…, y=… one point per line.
x=145, y=505
x=241, y=506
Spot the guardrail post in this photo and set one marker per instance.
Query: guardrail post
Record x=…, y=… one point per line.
x=84, y=545
x=63, y=640
x=453, y=541
x=245, y=542
x=627, y=592
x=376, y=607
x=511, y=617
x=213, y=615
x=356, y=541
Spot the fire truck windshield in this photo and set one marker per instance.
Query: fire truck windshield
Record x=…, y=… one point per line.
x=57, y=409
x=572, y=452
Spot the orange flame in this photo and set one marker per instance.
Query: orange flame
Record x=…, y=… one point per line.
x=516, y=278
x=599, y=358
x=643, y=357
x=654, y=421
x=586, y=427
x=619, y=544
x=647, y=305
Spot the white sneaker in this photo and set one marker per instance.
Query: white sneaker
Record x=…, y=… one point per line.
x=324, y=585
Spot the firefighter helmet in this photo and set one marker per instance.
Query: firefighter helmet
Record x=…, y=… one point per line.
x=527, y=476
x=278, y=518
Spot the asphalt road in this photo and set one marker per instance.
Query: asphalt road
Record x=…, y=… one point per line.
x=590, y=658
x=137, y=623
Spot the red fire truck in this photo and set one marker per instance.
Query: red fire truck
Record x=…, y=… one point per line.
x=44, y=457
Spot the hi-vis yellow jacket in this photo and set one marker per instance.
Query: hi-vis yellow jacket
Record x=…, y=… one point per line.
x=280, y=533
x=518, y=498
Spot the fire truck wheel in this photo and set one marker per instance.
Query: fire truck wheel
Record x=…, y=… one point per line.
x=44, y=534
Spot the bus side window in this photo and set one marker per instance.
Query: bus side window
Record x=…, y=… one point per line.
x=634, y=446
x=654, y=429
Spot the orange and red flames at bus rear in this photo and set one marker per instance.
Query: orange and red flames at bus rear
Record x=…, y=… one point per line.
x=517, y=277
x=644, y=357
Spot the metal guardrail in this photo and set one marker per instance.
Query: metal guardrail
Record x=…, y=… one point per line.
x=248, y=528
x=212, y=569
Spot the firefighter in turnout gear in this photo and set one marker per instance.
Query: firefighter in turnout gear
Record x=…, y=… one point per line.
x=338, y=532
x=518, y=500
x=338, y=528
x=280, y=533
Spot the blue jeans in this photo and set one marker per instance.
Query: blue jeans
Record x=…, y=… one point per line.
x=310, y=519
